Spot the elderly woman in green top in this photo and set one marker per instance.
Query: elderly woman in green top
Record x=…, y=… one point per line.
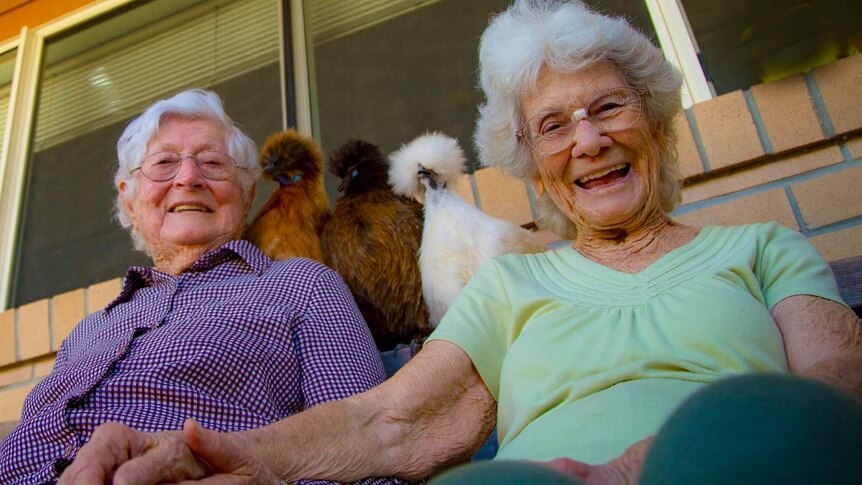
x=581, y=354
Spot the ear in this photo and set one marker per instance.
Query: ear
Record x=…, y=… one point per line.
x=250, y=198
x=123, y=188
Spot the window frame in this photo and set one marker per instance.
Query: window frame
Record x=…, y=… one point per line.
x=680, y=49
x=16, y=151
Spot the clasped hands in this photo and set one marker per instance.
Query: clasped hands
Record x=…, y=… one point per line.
x=123, y=456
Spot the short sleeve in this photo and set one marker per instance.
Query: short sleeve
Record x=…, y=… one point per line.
x=336, y=352
x=479, y=321
x=787, y=265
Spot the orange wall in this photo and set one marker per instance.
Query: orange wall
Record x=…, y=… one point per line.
x=15, y=14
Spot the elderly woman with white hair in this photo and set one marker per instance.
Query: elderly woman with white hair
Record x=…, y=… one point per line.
x=615, y=357
x=215, y=330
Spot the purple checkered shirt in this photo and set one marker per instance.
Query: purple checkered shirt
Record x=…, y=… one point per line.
x=236, y=342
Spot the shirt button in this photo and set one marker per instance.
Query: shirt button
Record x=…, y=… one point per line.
x=69, y=450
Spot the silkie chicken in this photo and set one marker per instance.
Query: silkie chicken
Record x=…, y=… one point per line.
x=458, y=237
x=372, y=240
x=290, y=223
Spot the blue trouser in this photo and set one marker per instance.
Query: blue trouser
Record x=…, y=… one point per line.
x=755, y=429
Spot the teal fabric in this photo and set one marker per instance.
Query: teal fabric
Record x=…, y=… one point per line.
x=760, y=430
x=503, y=473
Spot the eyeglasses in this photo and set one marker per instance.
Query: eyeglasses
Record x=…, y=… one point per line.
x=164, y=166
x=551, y=132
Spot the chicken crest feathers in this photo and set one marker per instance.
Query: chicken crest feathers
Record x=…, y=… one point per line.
x=360, y=166
x=291, y=150
x=434, y=151
x=354, y=153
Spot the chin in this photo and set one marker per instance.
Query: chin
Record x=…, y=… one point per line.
x=194, y=239
x=610, y=208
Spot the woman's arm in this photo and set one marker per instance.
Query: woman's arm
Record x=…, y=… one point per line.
x=434, y=412
x=823, y=340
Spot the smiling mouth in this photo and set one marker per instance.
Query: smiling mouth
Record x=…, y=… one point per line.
x=187, y=208
x=604, y=177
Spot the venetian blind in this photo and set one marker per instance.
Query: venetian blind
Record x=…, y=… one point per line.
x=113, y=82
x=330, y=19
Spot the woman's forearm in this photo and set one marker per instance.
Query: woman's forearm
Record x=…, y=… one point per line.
x=435, y=412
x=333, y=441
x=843, y=372
x=822, y=340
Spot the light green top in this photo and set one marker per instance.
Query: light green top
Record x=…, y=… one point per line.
x=585, y=361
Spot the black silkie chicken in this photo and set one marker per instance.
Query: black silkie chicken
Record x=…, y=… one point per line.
x=372, y=239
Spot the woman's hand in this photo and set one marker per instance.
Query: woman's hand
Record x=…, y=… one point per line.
x=226, y=456
x=119, y=454
x=624, y=470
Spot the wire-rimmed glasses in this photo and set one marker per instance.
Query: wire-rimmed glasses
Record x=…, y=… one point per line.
x=164, y=166
x=551, y=131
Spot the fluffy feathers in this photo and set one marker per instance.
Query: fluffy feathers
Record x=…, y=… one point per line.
x=372, y=240
x=290, y=222
x=458, y=237
x=434, y=151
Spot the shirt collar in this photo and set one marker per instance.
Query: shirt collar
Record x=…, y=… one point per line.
x=138, y=277
x=237, y=248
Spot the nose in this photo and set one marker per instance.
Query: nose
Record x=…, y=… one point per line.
x=588, y=140
x=189, y=174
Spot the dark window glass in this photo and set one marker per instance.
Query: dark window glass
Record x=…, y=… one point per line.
x=744, y=42
x=387, y=80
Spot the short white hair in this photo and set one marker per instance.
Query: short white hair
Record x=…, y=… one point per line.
x=566, y=36
x=194, y=104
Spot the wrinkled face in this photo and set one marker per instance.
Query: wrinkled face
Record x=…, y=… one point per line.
x=601, y=181
x=189, y=210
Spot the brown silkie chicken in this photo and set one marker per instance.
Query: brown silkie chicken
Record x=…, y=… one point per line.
x=290, y=223
x=372, y=240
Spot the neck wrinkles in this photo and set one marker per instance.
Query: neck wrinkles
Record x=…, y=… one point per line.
x=631, y=252
x=178, y=259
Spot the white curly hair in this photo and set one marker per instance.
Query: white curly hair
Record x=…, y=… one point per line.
x=191, y=104
x=567, y=36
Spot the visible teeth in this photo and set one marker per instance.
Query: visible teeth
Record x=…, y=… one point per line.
x=183, y=208
x=595, y=175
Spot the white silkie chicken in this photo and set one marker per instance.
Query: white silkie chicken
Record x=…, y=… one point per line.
x=457, y=237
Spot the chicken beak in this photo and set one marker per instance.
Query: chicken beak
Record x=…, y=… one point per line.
x=429, y=177
x=270, y=165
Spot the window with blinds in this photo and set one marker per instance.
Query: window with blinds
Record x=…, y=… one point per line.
x=98, y=77
x=108, y=82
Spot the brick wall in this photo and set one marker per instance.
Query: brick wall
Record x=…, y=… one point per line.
x=30, y=336
x=788, y=151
